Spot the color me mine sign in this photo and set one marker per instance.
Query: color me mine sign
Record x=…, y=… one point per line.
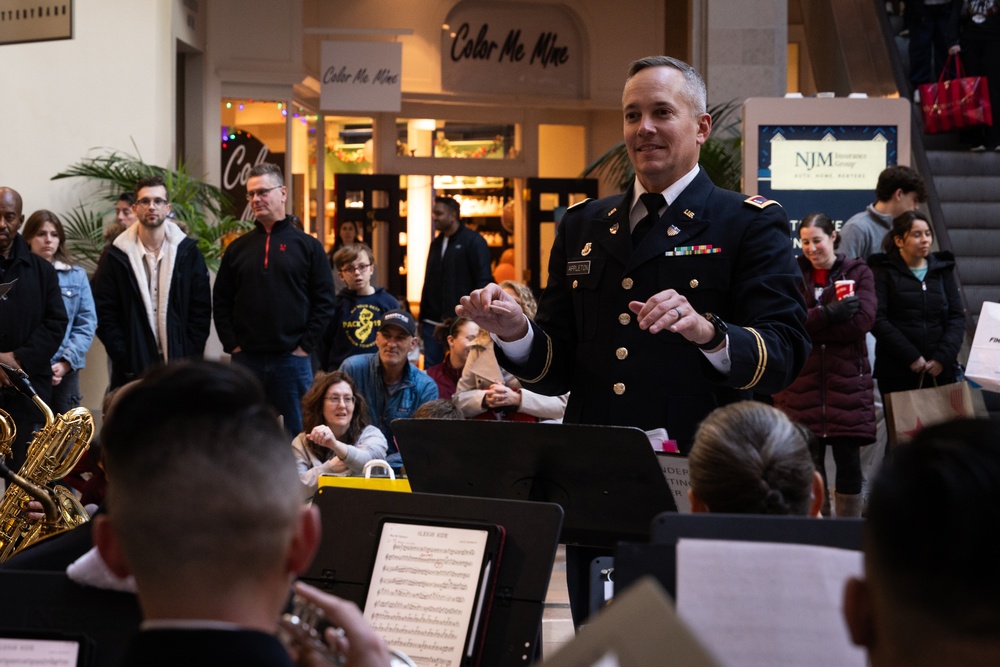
x=361, y=76
x=547, y=51
x=508, y=48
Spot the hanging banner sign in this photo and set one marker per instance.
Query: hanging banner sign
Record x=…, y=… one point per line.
x=512, y=48
x=361, y=76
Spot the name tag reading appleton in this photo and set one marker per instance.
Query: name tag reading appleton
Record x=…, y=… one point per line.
x=578, y=268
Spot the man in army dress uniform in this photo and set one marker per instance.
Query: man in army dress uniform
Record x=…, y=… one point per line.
x=653, y=318
x=656, y=327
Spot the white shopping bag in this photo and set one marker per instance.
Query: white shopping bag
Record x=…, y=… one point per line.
x=984, y=358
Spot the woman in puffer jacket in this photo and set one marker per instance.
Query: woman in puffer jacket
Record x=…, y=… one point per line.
x=833, y=394
x=920, y=322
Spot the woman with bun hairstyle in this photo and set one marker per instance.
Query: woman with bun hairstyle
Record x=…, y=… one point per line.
x=749, y=458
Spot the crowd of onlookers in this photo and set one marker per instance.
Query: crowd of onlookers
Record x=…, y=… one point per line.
x=339, y=367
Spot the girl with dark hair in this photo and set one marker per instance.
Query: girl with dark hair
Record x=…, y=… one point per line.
x=833, y=394
x=334, y=415
x=44, y=234
x=920, y=322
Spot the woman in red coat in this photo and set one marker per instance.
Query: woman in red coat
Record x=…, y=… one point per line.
x=833, y=393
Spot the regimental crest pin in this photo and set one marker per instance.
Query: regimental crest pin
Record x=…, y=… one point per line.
x=689, y=213
x=614, y=228
x=586, y=250
x=673, y=230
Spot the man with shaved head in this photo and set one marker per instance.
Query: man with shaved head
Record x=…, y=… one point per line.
x=32, y=322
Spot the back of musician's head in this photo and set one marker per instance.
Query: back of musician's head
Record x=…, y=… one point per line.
x=202, y=482
x=931, y=540
x=749, y=458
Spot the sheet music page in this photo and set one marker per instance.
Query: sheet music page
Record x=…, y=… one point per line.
x=423, y=589
x=767, y=605
x=33, y=652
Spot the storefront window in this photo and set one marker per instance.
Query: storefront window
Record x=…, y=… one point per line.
x=346, y=143
x=422, y=137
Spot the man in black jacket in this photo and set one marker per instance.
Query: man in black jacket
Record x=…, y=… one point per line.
x=457, y=263
x=274, y=297
x=32, y=322
x=151, y=290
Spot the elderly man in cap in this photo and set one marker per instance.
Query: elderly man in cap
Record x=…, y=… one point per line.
x=393, y=387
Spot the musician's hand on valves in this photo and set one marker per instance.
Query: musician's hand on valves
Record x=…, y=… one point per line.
x=671, y=311
x=34, y=511
x=360, y=645
x=496, y=311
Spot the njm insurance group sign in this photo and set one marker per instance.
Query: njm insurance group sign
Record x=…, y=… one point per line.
x=810, y=166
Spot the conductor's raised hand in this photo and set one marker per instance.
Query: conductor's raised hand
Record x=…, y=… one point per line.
x=670, y=311
x=496, y=311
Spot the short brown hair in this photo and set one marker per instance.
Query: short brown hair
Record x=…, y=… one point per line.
x=149, y=182
x=351, y=252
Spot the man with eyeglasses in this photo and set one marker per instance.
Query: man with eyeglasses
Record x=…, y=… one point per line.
x=274, y=297
x=151, y=290
x=32, y=322
x=358, y=308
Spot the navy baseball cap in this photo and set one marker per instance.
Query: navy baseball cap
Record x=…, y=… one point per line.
x=399, y=318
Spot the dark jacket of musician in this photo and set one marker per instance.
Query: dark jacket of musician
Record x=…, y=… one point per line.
x=727, y=254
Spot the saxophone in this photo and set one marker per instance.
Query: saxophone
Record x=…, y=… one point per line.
x=54, y=451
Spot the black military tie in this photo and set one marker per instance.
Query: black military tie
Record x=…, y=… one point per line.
x=652, y=201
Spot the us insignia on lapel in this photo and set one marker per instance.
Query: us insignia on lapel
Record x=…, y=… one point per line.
x=612, y=212
x=689, y=213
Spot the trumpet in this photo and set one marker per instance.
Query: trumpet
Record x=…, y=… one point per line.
x=304, y=625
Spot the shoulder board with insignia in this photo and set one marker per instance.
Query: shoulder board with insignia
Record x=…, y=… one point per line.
x=759, y=201
x=579, y=203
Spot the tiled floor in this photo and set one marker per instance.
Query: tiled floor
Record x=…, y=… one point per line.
x=557, y=623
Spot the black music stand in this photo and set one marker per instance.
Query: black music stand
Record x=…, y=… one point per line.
x=659, y=558
x=48, y=602
x=606, y=478
x=352, y=518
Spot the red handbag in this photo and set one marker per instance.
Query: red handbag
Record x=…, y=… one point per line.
x=955, y=103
